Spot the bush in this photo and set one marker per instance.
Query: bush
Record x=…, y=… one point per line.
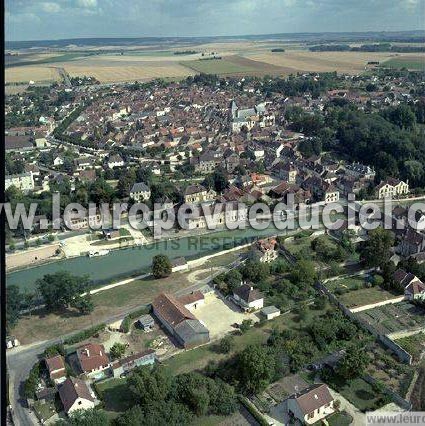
x=226, y=344
x=31, y=383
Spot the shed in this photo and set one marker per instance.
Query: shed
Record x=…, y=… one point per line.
x=146, y=323
x=270, y=312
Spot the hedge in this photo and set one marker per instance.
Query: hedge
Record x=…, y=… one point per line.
x=253, y=411
x=85, y=334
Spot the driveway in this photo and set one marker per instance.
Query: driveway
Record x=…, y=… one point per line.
x=218, y=315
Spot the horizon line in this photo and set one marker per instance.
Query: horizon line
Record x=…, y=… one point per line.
x=219, y=36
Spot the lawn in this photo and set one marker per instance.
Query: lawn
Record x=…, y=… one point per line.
x=115, y=395
x=365, y=296
x=358, y=392
x=339, y=419
x=411, y=63
x=44, y=410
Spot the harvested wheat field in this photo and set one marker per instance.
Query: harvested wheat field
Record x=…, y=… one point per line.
x=26, y=73
x=124, y=72
x=347, y=62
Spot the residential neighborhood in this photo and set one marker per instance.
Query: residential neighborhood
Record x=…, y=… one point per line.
x=220, y=248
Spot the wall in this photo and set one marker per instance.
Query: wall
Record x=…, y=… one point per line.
x=403, y=355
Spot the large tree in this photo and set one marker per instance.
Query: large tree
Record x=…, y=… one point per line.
x=354, y=362
x=150, y=385
x=256, y=367
x=161, y=266
x=376, y=250
x=62, y=290
x=13, y=305
x=90, y=417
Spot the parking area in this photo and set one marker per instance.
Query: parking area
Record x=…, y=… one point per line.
x=219, y=315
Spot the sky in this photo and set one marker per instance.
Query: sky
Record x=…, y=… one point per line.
x=58, y=19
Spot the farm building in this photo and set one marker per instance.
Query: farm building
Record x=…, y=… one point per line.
x=179, y=321
x=248, y=298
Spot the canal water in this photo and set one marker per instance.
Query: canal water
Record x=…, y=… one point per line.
x=134, y=260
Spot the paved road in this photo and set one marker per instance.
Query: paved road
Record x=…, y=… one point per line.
x=21, y=359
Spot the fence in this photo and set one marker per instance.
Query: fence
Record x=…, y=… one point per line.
x=403, y=355
x=407, y=405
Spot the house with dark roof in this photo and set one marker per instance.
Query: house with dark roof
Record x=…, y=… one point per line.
x=56, y=368
x=140, y=191
x=311, y=405
x=179, y=321
x=76, y=395
x=248, y=298
x=414, y=288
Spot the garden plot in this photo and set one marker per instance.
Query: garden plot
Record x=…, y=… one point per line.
x=394, y=317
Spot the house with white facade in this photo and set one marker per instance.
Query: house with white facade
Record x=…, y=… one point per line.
x=76, y=395
x=248, y=298
x=392, y=188
x=140, y=191
x=23, y=182
x=311, y=405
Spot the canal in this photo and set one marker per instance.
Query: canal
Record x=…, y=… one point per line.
x=134, y=260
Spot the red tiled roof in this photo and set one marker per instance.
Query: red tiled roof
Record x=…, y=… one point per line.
x=92, y=357
x=313, y=398
x=196, y=296
x=170, y=309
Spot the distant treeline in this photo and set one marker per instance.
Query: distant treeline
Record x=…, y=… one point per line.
x=379, y=47
x=211, y=58
x=186, y=52
x=278, y=49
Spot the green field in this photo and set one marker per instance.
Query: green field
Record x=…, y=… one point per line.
x=217, y=66
x=416, y=64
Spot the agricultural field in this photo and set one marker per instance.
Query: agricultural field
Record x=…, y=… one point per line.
x=347, y=62
x=394, y=317
x=121, y=72
x=414, y=63
x=231, y=65
x=38, y=74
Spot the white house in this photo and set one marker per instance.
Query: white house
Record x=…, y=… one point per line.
x=76, y=395
x=311, y=405
x=58, y=161
x=115, y=161
x=24, y=182
x=392, y=187
x=248, y=298
x=140, y=191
